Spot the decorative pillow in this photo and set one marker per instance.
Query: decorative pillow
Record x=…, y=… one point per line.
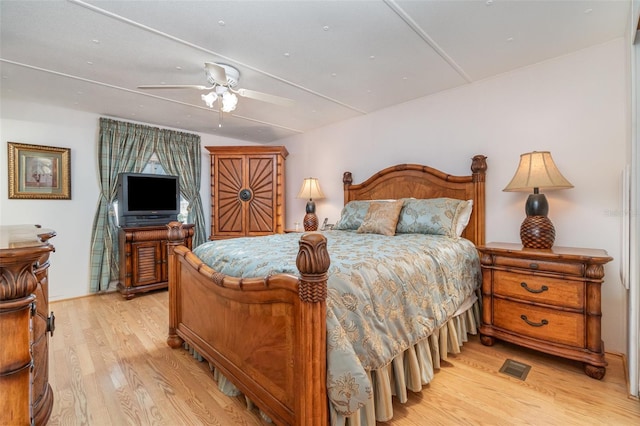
x=352, y=215
x=381, y=218
x=464, y=214
x=436, y=216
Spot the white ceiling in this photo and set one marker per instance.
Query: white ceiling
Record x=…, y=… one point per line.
x=336, y=59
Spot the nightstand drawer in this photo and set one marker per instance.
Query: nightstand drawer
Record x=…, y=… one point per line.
x=540, y=323
x=540, y=265
x=552, y=291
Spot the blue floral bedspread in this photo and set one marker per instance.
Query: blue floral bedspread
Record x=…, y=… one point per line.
x=384, y=294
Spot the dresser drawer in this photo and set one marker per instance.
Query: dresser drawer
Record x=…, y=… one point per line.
x=551, y=291
x=540, y=323
x=576, y=269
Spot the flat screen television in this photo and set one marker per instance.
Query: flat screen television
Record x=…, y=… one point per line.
x=147, y=199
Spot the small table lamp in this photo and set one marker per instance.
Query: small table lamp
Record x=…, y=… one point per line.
x=310, y=189
x=537, y=170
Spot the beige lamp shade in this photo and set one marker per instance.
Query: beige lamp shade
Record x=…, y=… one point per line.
x=537, y=170
x=310, y=189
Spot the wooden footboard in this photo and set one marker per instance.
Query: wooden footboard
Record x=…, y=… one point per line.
x=266, y=335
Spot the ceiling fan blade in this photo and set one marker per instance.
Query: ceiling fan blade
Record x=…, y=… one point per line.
x=176, y=86
x=265, y=97
x=216, y=73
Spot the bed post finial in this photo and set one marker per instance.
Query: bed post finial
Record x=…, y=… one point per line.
x=478, y=169
x=175, y=232
x=311, y=356
x=313, y=263
x=347, y=179
x=479, y=166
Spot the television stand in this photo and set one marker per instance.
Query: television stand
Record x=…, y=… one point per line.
x=143, y=258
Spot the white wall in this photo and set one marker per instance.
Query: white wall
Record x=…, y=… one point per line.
x=71, y=219
x=575, y=106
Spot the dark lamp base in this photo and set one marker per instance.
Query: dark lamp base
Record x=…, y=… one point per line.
x=310, y=222
x=537, y=232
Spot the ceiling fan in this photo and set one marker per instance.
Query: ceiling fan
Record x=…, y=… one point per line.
x=223, y=80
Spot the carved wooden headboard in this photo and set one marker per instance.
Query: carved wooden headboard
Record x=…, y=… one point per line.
x=413, y=180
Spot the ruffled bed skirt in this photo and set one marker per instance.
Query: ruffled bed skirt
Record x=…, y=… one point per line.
x=409, y=371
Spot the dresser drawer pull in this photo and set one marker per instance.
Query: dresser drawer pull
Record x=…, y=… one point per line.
x=534, y=324
x=51, y=323
x=534, y=266
x=531, y=290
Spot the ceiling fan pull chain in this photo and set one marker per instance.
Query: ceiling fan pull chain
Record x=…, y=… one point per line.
x=219, y=112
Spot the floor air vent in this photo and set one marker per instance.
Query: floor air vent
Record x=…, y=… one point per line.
x=515, y=369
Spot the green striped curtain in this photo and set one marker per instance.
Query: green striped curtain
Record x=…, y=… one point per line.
x=179, y=154
x=123, y=147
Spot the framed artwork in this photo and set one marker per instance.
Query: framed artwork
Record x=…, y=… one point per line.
x=39, y=172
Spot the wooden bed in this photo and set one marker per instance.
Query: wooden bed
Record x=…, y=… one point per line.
x=268, y=335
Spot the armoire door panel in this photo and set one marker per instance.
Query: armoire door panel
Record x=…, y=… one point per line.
x=261, y=174
x=229, y=173
x=260, y=210
x=260, y=220
x=230, y=217
x=229, y=178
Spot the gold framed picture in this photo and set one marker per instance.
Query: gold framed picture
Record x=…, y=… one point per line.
x=39, y=172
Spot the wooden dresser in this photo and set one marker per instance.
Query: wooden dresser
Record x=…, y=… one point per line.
x=143, y=258
x=548, y=300
x=247, y=190
x=25, y=325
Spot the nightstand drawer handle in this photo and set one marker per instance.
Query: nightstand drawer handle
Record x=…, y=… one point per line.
x=534, y=266
x=530, y=290
x=534, y=324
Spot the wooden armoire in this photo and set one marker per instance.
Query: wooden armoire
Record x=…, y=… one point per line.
x=247, y=190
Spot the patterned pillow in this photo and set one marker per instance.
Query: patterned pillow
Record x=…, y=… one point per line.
x=381, y=218
x=352, y=215
x=464, y=214
x=436, y=216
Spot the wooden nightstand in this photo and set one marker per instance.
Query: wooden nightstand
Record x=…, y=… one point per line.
x=548, y=300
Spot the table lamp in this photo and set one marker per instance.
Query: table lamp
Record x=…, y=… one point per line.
x=537, y=171
x=311, y=190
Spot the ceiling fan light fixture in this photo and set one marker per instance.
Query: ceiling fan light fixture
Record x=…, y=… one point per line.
x=223, y=79
x=229, y=101
x=209, y=99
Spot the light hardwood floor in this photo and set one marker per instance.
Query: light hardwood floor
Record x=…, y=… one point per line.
x=110, y=365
